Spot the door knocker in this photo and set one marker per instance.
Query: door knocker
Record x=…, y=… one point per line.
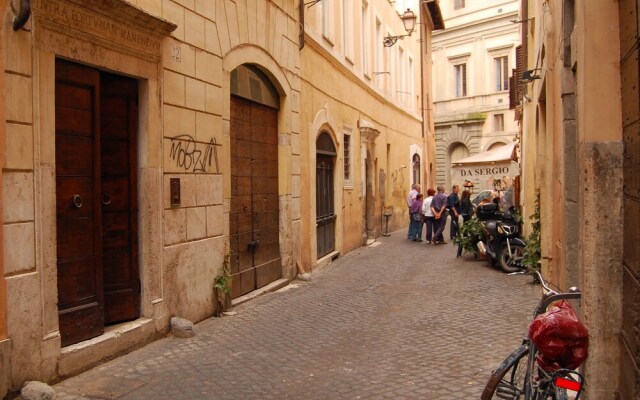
x=77, y=200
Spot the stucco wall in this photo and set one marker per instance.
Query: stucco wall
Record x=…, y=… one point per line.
x=343, y=94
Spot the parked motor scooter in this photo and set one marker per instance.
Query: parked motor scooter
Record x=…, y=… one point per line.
x=500, y=242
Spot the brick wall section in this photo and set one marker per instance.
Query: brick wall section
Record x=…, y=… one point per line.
x=630, y=358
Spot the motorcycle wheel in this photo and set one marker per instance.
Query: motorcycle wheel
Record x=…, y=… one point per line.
x=511, y=263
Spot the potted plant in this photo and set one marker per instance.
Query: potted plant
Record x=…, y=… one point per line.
x=469, y=235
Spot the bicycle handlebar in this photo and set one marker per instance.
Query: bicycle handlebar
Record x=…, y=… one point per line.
x=551, y=296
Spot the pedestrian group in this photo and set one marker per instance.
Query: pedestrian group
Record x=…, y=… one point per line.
x=433, y=210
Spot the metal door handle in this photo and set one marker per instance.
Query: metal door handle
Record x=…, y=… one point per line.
x=77, y=200
x=106, y=199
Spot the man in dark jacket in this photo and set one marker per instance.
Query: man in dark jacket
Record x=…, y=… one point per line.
x=439, y=209
x=453, y=204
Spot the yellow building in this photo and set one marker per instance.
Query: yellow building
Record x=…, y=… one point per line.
x=579, y=152
x=148, y=144
x=363, y=133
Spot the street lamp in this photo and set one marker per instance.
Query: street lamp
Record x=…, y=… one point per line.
x=409, y=22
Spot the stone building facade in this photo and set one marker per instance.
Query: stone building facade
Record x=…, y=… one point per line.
x=580, y=153
x=472, y=61
x=150, y=145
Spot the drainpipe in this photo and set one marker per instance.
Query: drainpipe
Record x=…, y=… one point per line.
x=301, y=22
x=23, y=15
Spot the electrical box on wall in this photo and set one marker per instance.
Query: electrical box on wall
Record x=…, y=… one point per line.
x=174, y=187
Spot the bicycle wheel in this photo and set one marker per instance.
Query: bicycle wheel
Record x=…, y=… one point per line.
x=509, y=379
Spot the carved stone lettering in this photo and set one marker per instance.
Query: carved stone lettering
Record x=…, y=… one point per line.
x=97, y=25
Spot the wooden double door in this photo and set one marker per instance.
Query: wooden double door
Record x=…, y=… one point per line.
x=96, y=200
x=254, y=213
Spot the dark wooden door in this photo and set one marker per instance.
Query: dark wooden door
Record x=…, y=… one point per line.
x=325, y=216
x=254, y=216
x=79, y=251
x=95, y=200
x=118, y=197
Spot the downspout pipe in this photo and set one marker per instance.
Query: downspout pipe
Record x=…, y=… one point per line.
x=23, y=15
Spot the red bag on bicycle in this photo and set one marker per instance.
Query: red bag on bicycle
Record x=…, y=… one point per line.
x=561, y=339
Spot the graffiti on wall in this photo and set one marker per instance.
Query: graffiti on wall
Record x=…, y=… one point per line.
x=194, y=156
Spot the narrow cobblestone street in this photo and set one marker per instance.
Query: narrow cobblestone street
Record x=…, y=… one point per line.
x=395, y=320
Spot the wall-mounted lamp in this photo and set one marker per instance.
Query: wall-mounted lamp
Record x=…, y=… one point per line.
x=529, y=75
x=409, y=22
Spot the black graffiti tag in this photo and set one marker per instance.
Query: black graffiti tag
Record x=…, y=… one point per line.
x=188, y=154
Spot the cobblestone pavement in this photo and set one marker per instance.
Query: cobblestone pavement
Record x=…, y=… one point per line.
x=395, y=320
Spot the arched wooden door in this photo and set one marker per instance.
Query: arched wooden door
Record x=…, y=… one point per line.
x=254, y=217
x=325, y=215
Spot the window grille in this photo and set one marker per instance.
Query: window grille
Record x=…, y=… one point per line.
x=347, y=158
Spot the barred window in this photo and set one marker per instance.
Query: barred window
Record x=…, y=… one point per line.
x=347, y=158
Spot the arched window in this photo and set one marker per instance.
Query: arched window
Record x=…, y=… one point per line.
x=416, y=168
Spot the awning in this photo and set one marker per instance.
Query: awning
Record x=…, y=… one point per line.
x=483, y=168
x=502, y=153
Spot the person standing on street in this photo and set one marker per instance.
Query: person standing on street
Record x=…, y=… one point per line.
x=429, y=218
x=416, y=218
x=466, y=207
x=415, y=189
x=439, y=210
x=453, y=204
x=466, y=210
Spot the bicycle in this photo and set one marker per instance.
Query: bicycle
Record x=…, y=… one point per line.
x=520, y=377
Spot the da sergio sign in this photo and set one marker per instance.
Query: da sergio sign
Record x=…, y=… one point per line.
x=478, y=172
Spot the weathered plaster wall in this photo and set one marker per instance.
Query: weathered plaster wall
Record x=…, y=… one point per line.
x=600, y=136
x=348, y=102
x=340, y=97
